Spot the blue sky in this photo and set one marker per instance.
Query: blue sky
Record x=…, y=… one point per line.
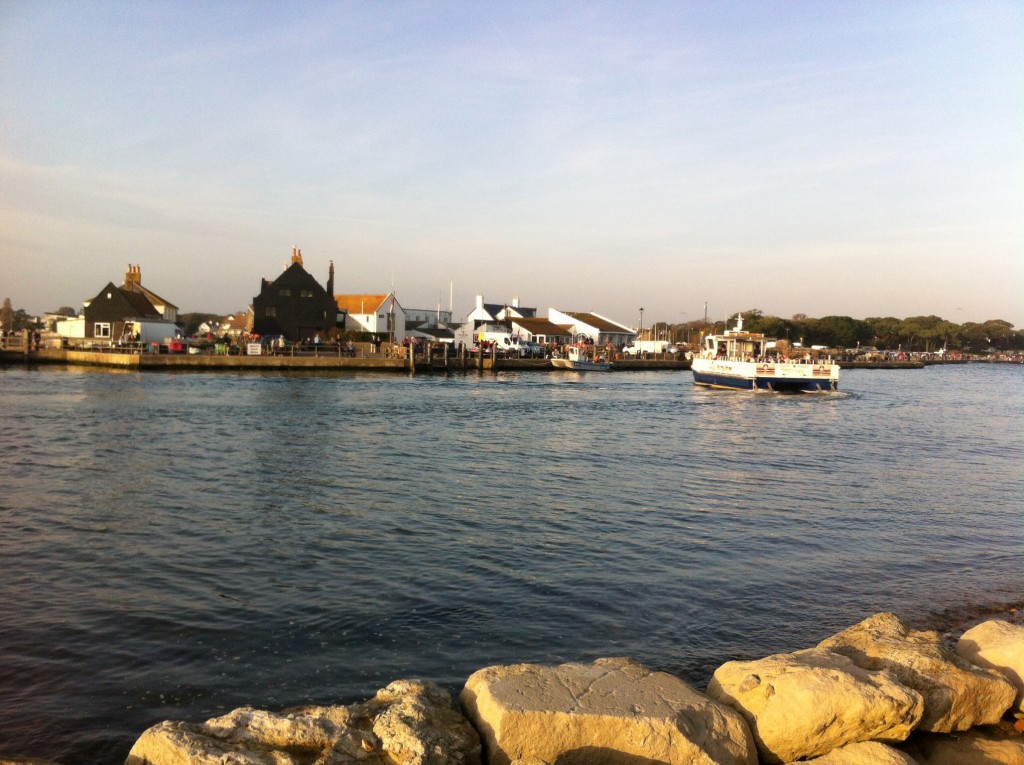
x=853, y=158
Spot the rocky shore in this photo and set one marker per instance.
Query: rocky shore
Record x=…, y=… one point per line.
x=877, y=693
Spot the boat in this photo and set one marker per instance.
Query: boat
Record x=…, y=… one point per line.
x=578, y=358
x=751, y=361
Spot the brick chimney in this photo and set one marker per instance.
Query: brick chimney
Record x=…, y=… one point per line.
x=133, y=278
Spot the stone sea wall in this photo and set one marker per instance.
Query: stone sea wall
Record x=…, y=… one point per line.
x=877, y=693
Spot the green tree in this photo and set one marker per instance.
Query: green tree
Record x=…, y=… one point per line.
x=885, y=332
x=838, y=332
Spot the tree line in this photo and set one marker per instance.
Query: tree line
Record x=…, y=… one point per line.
x=925, y=334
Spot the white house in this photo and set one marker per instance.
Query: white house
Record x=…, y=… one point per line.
x=492, y=313
x=598, y=329
x=381, y=315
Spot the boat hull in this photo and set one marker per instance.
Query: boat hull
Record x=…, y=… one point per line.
x=581, y=366
x=778, y=378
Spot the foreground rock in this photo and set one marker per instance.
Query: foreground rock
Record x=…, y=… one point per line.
x=613, y=711
x=997, y=645
x=864, y=753
x=990, y=745
x=407, y=723
x=957, y=694
x=807, y=703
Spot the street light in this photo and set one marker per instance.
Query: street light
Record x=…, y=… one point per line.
x=641, y=322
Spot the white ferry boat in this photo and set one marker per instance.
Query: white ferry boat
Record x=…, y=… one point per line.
x=749, y=361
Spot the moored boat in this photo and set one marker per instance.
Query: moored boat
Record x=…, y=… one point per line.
x=751, y=361
x=578, y=357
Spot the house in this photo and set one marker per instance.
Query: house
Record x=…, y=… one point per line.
x=105, y=316
x=378, y=314
x=430, y=324
x=235, y=324
x=598, y=329
x=133, y=281
x=542, y=331
x=493, y=313
x=294, y=304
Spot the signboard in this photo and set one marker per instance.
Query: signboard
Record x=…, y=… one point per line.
x=254, y=349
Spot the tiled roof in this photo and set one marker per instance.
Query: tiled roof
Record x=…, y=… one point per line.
x=356, y=304
x=153, y=297
x=542, y=327
x=139, y=303
x=602, y=325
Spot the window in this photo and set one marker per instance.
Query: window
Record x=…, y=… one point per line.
x=285, y=293
x=271, y=311
x=101, y=329
x=307, y=293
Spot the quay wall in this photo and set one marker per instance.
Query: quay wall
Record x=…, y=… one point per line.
x=164, y=361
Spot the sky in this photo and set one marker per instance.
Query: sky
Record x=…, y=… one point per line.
x=826, y=158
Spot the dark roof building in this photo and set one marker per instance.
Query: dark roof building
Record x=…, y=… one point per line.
x=106, y=314
x=294, y=304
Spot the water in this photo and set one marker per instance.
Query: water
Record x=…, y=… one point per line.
x=173, y=546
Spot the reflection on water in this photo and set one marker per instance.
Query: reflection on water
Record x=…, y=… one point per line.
x=176, y=545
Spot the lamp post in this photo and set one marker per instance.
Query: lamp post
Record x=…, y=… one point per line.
x=641, y=322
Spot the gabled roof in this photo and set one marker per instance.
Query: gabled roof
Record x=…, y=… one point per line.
x=151, y=296
x=542, y=326
x=599, y=323
x=235, y=321
x=357, y=304
x=139, y=303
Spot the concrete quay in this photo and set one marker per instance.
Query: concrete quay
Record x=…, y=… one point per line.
x=322, y=362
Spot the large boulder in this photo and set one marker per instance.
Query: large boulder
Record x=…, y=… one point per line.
x=863, y=753
x=611, y=712
x=1000, y=646
x=807, y=703
x=988, y=745
x=957, y=694
x=407, y=723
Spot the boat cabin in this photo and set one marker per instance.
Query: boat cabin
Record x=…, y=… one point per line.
x=735, y=344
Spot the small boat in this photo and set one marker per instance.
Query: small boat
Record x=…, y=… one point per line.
x=750, y=361
x=578, y=358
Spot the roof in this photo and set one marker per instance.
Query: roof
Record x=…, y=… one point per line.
x=139, y=303
x=542, y=327
x=151, y=296
x=599, y=323
x=356, y=304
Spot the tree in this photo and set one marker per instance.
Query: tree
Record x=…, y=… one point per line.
x=838, y=332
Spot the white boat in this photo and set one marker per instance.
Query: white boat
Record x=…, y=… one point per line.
x=750, y=361
x=578, y=358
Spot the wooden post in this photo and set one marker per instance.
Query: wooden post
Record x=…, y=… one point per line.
x=412, y=359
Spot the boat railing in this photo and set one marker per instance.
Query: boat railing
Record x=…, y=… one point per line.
x=749, y=359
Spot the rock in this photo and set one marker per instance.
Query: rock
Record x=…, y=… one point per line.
x=863, y=753
x=988, y=745
x=957, y=694
x=807, y=703
x=997, y=645
x=612, y=712
x=407, y=723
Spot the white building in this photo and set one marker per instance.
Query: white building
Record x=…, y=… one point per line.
x=381, y=315
x=598, y=329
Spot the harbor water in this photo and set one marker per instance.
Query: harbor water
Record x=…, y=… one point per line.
x=175, y=545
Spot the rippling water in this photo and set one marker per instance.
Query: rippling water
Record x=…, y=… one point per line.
x=175, y=545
